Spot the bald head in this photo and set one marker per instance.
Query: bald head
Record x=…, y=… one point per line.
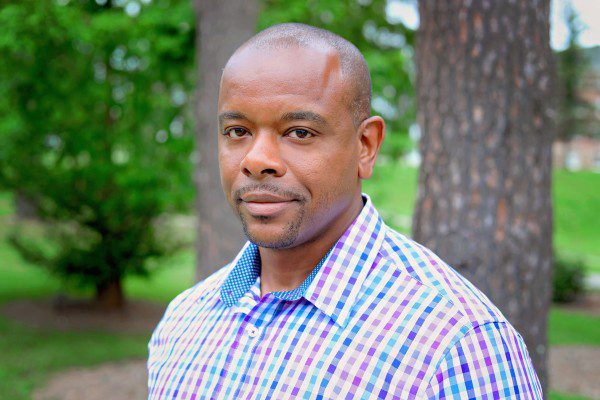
x=353, y=67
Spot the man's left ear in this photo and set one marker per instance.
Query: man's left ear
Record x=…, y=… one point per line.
x=371, y=134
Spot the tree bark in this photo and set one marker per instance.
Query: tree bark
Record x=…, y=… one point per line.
x=485, y=80
x=109, y=296
x=223, y=26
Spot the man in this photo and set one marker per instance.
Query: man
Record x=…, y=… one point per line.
x=324, y=301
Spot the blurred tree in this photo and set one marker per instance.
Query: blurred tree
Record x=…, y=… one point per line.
x=95, y=132
x=223, y=26
x=385, y=41
x=575, y=113
x=485, y=92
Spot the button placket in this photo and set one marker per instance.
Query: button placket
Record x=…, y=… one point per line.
x=261, y=315
x=252, y=330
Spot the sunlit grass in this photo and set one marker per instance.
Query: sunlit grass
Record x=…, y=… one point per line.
x=566, y=327
x=563, y=396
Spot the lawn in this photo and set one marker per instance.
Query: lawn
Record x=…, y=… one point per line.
x=577, y=216
x=573, y=328
x=30, y=355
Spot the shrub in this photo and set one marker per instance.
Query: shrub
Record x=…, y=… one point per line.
x=568, y=280
x=96, y=133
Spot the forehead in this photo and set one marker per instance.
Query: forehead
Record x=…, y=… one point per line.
x=294, y=76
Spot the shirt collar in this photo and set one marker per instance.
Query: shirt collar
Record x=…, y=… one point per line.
x=334, y=283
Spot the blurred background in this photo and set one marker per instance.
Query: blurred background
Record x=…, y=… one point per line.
x=103, y=151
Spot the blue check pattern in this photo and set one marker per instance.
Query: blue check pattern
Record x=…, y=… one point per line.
x=379, y=317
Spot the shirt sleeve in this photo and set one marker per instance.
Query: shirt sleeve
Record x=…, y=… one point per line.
x=156, y=345
x=489, y=362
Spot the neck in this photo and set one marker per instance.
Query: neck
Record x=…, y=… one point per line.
x=286, y=269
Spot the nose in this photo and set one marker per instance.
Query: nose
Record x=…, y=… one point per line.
x=263, y=157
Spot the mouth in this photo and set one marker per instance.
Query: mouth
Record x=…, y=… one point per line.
x=265, y=204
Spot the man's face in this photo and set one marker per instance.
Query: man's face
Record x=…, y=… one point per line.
x=288, y=148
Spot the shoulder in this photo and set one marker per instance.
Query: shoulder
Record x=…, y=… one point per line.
x=181, y=308
x=184, y=303
x=421, y=265
x=490, y=359
x=472, y=336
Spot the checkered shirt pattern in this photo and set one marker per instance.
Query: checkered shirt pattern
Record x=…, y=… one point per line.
x=380, y=317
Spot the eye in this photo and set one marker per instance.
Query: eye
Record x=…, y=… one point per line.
x=300, y=134
x=235, y=132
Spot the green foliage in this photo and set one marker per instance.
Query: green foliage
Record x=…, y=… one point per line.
x=568, y=280
x=386, y=44
x=394, y=202
x=97, y=132
x=576, y=115
x=20, y=279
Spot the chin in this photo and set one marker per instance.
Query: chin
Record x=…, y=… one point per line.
x=270, y=236
x=281, y=244
x=278, y=232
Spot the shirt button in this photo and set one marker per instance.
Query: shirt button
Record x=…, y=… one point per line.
x=252, y=331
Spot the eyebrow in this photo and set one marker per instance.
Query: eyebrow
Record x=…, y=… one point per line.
x=303, y=116
x=288, y=116
x=231, y=115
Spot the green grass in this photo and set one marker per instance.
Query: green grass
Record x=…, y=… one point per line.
x=563, y=396
x=573, y=328
x=576, y=199
x=30, y=355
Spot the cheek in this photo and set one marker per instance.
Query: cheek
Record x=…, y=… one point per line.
x=326, y=175
x=228, y=167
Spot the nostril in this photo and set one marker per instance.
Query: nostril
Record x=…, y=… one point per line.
x=269, y=171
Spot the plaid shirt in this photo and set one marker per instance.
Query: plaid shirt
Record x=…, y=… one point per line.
x=380, y=317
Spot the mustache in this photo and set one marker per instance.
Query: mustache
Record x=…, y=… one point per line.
x=268, y=188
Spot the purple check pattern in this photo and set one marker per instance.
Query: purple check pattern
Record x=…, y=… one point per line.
x=380, y=317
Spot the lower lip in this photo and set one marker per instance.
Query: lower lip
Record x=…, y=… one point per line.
x=266, y=209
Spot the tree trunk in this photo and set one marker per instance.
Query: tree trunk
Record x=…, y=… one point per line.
x=109, y=296
x=223, y=26
x=485, y=82
x=25, y=208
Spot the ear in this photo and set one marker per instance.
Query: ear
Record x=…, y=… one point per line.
x=371, y=134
